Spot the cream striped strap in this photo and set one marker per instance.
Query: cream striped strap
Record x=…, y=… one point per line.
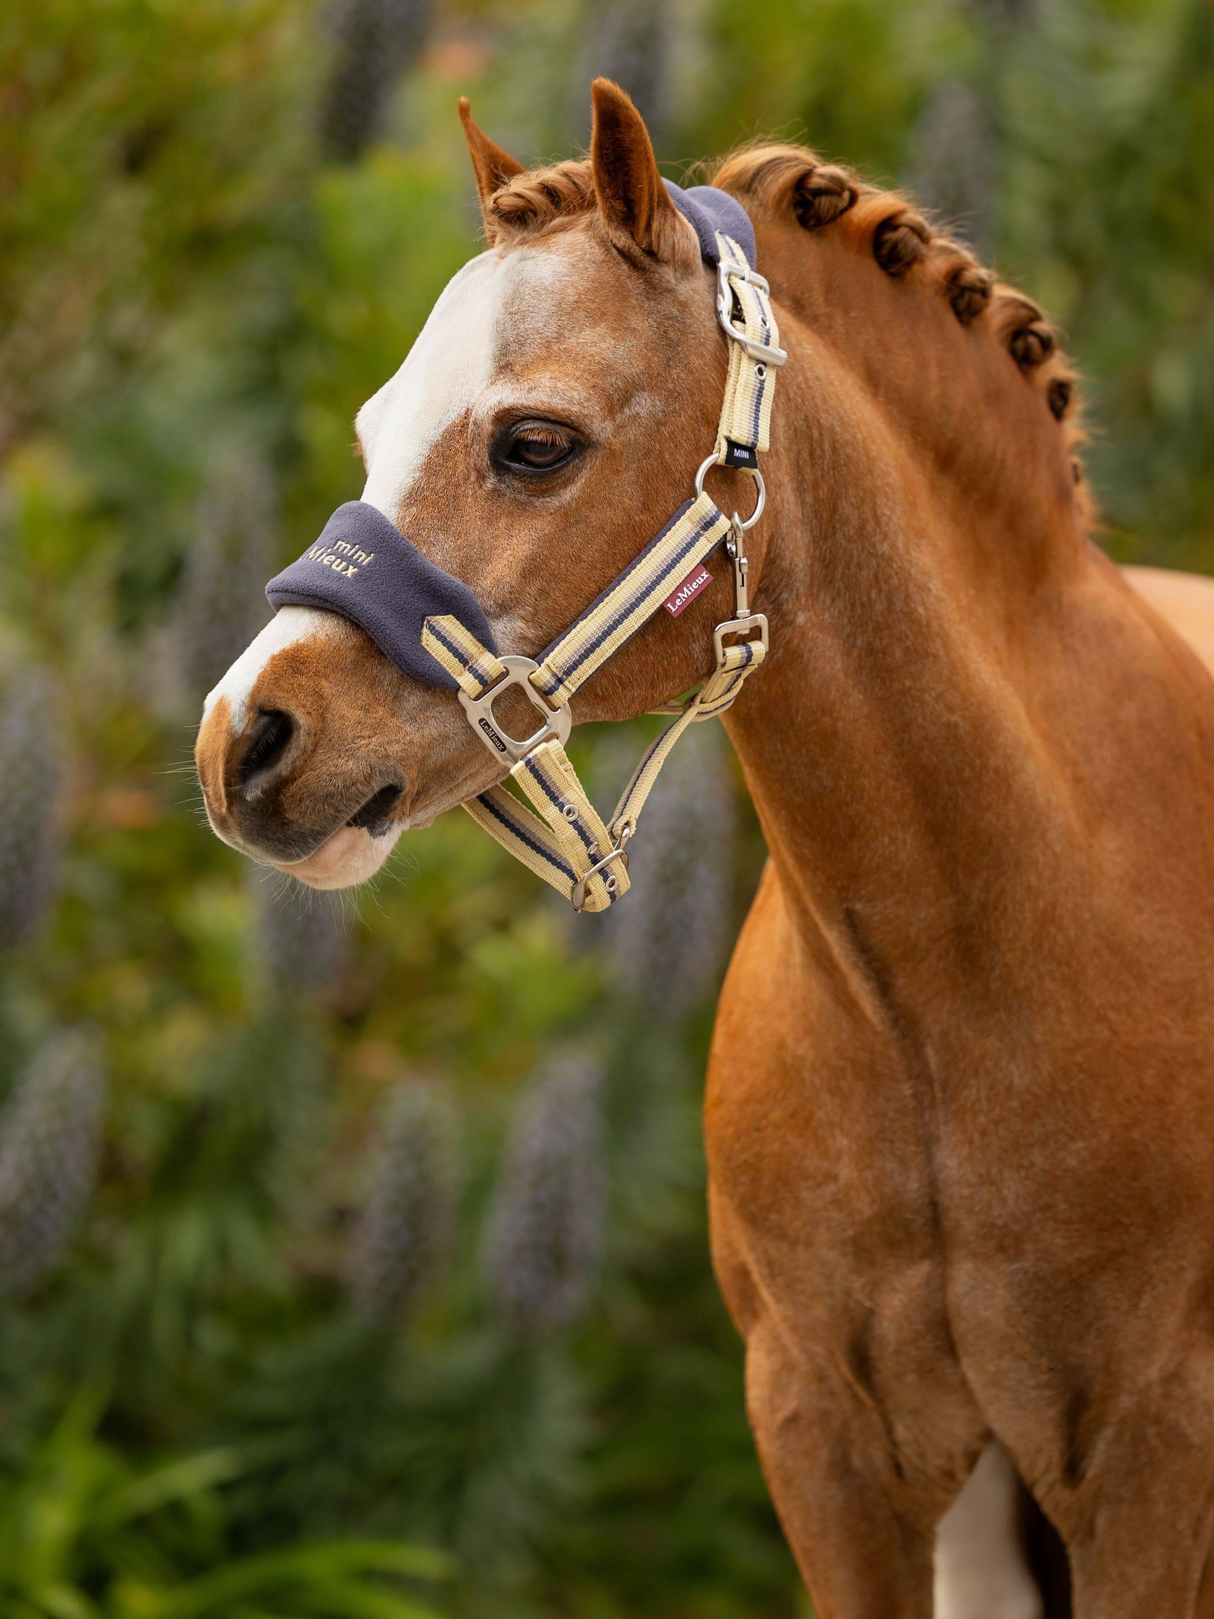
x=744, y=312
x=556, y=832
x=559, y=835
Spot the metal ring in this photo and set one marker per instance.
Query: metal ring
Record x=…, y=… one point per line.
x=704, y=466
x=711, y=461
x=759, y=504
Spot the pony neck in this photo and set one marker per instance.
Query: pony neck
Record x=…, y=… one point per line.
x=914, y=577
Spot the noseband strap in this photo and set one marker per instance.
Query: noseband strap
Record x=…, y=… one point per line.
x=432, y=626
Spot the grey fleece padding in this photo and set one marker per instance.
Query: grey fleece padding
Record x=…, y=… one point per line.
x=363, y=567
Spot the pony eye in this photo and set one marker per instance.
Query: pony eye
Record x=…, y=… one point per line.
x=538, y=446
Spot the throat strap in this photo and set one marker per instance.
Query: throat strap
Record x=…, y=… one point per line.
x=561, y=837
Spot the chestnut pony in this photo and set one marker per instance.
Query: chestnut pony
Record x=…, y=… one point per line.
x=960, y=1110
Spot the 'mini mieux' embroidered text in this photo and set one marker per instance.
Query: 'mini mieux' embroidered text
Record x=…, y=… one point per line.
x=342, y=557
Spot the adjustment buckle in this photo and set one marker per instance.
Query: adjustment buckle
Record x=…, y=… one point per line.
x=558, y=722
x=742, y=626
x=578, y=893
x=741, y=271
x=730, y=268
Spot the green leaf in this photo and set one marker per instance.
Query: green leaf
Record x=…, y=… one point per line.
x=175, y=1481
x=303, y=1566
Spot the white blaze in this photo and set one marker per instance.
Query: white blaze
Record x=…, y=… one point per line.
x=289, y=624
x=448, y=368
x=445, y=372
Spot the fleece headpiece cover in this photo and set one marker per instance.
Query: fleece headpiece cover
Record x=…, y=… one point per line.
x=364, y=568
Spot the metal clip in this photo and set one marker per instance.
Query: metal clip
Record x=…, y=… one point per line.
x=735, y=550
x=743, y=621
x=726, y=269
x=580, y=889
x=558, y=722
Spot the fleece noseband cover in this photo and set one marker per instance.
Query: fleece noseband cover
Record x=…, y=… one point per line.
x=364, y=568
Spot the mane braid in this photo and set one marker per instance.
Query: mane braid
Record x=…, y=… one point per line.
x=790, y=182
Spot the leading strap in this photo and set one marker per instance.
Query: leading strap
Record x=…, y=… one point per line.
x=557, y=833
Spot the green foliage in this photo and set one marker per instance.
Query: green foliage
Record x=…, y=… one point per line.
x=142, y=147
x=373, y=40
x=84, y=1534
x=402, y=1239
x=221, y=605
x=544, y=1234
x=306, y=1328
x=302, y=938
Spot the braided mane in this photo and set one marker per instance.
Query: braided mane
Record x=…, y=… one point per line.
x=789, y=182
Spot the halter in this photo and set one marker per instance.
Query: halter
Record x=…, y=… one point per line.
x=432, y=626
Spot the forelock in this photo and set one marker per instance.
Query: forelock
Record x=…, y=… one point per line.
x=540, y=200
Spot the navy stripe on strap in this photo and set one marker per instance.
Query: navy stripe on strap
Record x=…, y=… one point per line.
x=521, y=833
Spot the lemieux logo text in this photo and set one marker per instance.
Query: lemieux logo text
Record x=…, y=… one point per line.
x=687, y=591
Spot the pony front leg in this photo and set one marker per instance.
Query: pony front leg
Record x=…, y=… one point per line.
x=825, y=1248
x=862, y=1542
x=1138, y=1525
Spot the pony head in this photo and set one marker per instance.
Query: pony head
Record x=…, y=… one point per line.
x=545, y=424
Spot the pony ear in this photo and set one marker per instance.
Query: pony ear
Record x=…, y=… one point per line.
x=633, y=203
x=491, y=166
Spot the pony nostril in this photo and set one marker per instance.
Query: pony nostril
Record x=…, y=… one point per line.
x=268, y=742
x=375, y=812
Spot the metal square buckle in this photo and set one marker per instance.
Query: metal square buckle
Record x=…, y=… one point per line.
x=558, y=722
x=739, y=626
x=740, y=271
x=726, y=269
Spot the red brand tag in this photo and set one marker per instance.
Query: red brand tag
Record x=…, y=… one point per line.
x=688, y=590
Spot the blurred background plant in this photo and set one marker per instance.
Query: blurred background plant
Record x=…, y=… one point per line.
x=340, y=1235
